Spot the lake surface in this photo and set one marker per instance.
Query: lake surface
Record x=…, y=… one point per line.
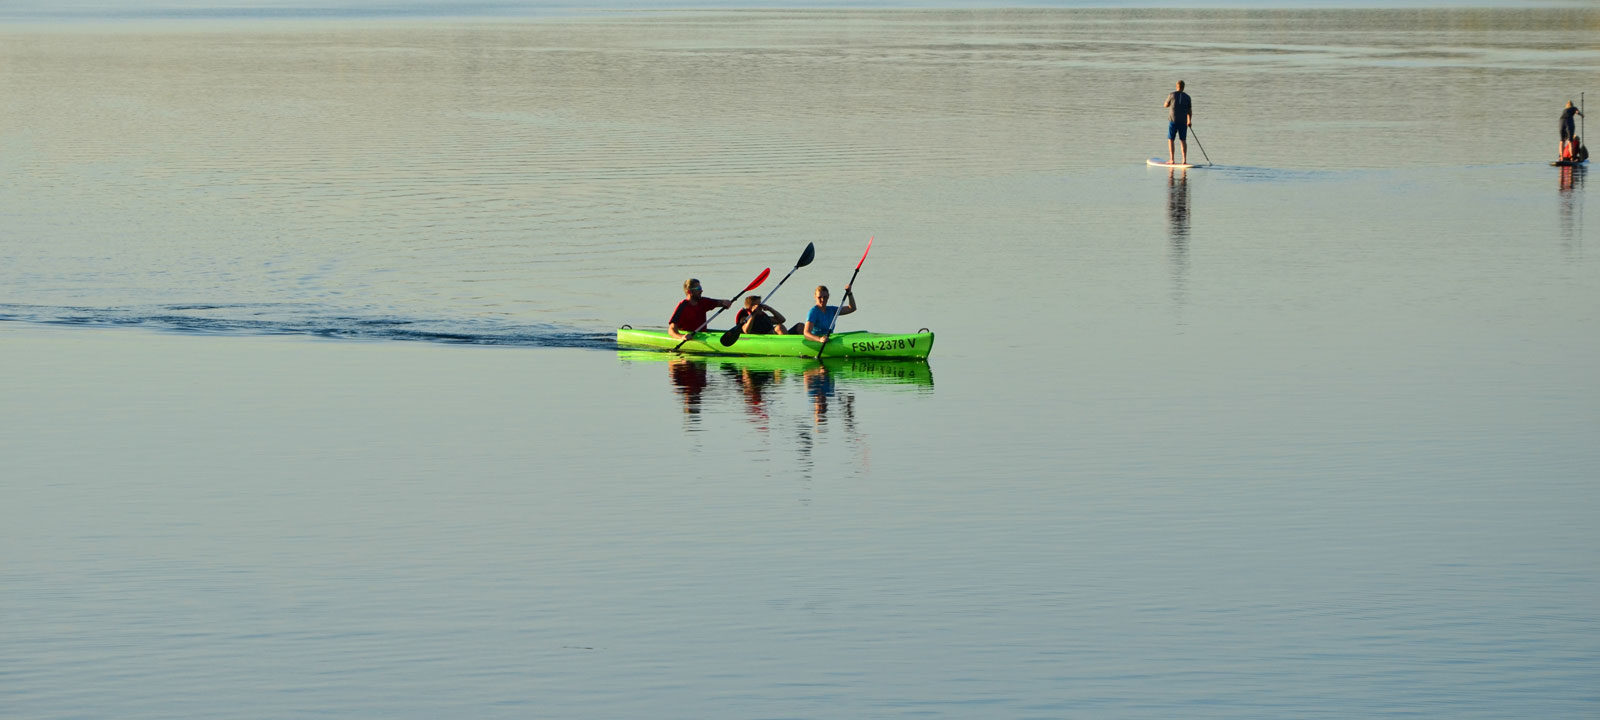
x=312, y=404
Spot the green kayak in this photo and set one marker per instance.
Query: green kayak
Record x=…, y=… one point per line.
x=855, y=344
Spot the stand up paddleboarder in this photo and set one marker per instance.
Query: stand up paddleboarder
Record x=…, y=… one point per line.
x=1569, y=130
x=1180, y=113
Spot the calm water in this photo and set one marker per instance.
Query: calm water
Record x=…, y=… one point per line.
x=1308, y=433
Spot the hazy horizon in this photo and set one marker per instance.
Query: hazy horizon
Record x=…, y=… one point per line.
x=47, y=10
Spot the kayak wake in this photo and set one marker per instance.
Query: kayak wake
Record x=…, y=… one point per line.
x=247, y=320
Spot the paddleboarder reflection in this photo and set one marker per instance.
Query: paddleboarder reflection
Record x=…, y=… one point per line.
x=1178, y=230
x=1178, y=206
x=1571, y=190
x=1571, y=178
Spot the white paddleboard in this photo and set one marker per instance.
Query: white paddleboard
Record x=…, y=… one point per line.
x=1158, y=162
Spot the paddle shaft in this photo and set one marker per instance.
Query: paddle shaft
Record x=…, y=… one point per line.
x=732, y=335
x=779, y=285
x=1198, y=145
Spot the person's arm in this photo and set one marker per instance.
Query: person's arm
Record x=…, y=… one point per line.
x=849, y=302
x=1168, y=103
x=672, y=322
x=810, y=330
x=777, y=317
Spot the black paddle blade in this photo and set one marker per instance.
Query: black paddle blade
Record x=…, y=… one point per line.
x=807, y=256
x=731, y=336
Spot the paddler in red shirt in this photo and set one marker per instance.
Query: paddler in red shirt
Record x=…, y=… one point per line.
x=690, y=315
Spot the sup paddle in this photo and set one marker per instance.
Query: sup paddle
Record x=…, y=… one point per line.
x=847, y=286
x=753, y=283
x=1198, y=145
x=732, y=335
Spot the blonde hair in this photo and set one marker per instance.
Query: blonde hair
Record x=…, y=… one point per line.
x=688, y=283
x=751, y=301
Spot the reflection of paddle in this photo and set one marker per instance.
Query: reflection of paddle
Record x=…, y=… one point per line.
x=847, y=286
x=1198, y=145
x=753, y=283
x=732, y=335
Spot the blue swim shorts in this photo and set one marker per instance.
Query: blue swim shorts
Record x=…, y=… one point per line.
x=1177, y=130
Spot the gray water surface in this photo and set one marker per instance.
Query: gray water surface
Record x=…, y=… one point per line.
x=312, y=405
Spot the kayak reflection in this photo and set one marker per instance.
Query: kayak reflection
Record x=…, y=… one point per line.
x=759, y=384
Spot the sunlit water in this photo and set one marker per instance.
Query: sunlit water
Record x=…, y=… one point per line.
x=1308, y=432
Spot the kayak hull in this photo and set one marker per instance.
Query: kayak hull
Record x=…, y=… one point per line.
x=1568, y=163
x=855, y=344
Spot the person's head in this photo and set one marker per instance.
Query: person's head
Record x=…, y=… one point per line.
x=822, y=294
x=1569, y=103
x=1180, y=84
x=751, y=302
x=691, y=288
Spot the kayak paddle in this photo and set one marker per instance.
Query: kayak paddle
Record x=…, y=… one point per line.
x=847, y=287
x=1198, y=145
x=732, y=335
x=753, y=283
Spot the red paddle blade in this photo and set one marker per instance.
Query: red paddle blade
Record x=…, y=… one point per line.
x=761, y=279
x=864, y=255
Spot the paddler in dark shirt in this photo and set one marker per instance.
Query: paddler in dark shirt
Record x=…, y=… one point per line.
x=1180, y=113
x=759, y=319
x=690, y=315
x=1569, y=128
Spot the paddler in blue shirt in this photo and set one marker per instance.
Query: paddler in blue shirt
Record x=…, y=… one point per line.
x=819, y=324
x=1180, y=115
